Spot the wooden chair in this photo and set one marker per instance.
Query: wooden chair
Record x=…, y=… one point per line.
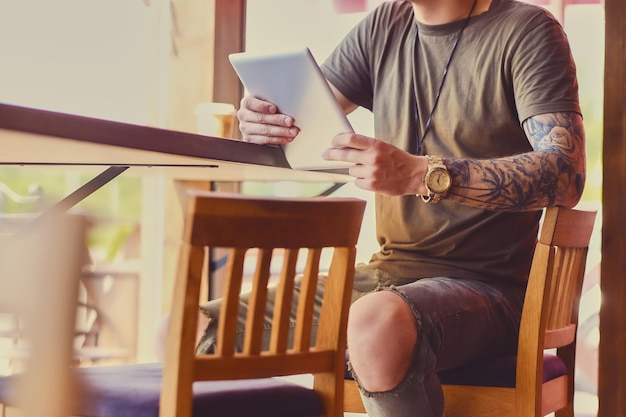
x=535, y=382
x=232, y=383
x=40, y=271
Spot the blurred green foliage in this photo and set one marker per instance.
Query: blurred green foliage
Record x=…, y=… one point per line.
x=114, y=210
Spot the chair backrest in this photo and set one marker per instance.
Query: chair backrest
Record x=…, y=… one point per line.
x=40, y=269
x=241, y=223
x=550, y=313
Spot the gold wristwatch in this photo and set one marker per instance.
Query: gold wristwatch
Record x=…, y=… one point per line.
x=437, y=180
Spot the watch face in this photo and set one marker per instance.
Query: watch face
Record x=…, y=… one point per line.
x=439, y=180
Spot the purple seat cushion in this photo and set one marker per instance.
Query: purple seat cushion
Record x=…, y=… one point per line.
x=499, y=372
x=134, y=391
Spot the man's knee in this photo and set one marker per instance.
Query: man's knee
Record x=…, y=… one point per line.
x=382, y=334
x=381, y=312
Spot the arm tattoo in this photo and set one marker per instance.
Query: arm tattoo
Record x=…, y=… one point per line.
x=552, y=174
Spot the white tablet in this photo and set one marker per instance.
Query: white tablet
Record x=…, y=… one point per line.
x=294, y=82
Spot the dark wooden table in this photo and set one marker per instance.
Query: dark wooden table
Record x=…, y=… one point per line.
x=33, y=137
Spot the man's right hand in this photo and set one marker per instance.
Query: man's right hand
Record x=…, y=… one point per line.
x=260, y=122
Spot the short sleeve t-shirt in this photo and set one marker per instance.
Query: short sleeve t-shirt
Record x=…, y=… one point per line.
x=512, y=62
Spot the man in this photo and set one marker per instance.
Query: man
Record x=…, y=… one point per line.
x=477, y=127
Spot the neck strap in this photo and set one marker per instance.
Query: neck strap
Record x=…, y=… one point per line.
x=443, y=79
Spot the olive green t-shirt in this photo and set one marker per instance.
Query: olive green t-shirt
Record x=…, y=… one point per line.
x=512, y=62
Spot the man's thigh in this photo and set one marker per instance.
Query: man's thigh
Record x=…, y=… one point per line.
x=465, y=320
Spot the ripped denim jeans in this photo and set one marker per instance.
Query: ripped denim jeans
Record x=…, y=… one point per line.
x=458, y=321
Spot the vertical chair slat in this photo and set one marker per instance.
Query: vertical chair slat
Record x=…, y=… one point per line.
x=561, y=313
x=282, y=306
x=257, y=303
x=306, y=303
x=226, y=340
x=568, y=286
x=580, y=273
x=551, y=285
x=332, y=319
x=329, y=320
x=193, y=263
x=556, y=290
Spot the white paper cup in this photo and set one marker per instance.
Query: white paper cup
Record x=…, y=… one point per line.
x=215, y=119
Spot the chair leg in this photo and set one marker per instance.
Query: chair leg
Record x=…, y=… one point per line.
x=568, y=411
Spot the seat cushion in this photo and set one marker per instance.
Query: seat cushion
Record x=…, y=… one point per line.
x=134, y=391
x=499, y=372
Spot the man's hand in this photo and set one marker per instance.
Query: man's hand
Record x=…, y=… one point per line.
x=260, y=122
x=379, y=166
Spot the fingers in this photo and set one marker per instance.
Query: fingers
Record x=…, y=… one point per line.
x=353, y=140
x=349, y=147
x=260, y=122
x=267, y=135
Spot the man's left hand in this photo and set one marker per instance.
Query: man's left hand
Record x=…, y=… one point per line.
x=379, y=166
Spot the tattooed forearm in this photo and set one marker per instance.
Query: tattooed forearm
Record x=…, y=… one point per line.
x=553, y=174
